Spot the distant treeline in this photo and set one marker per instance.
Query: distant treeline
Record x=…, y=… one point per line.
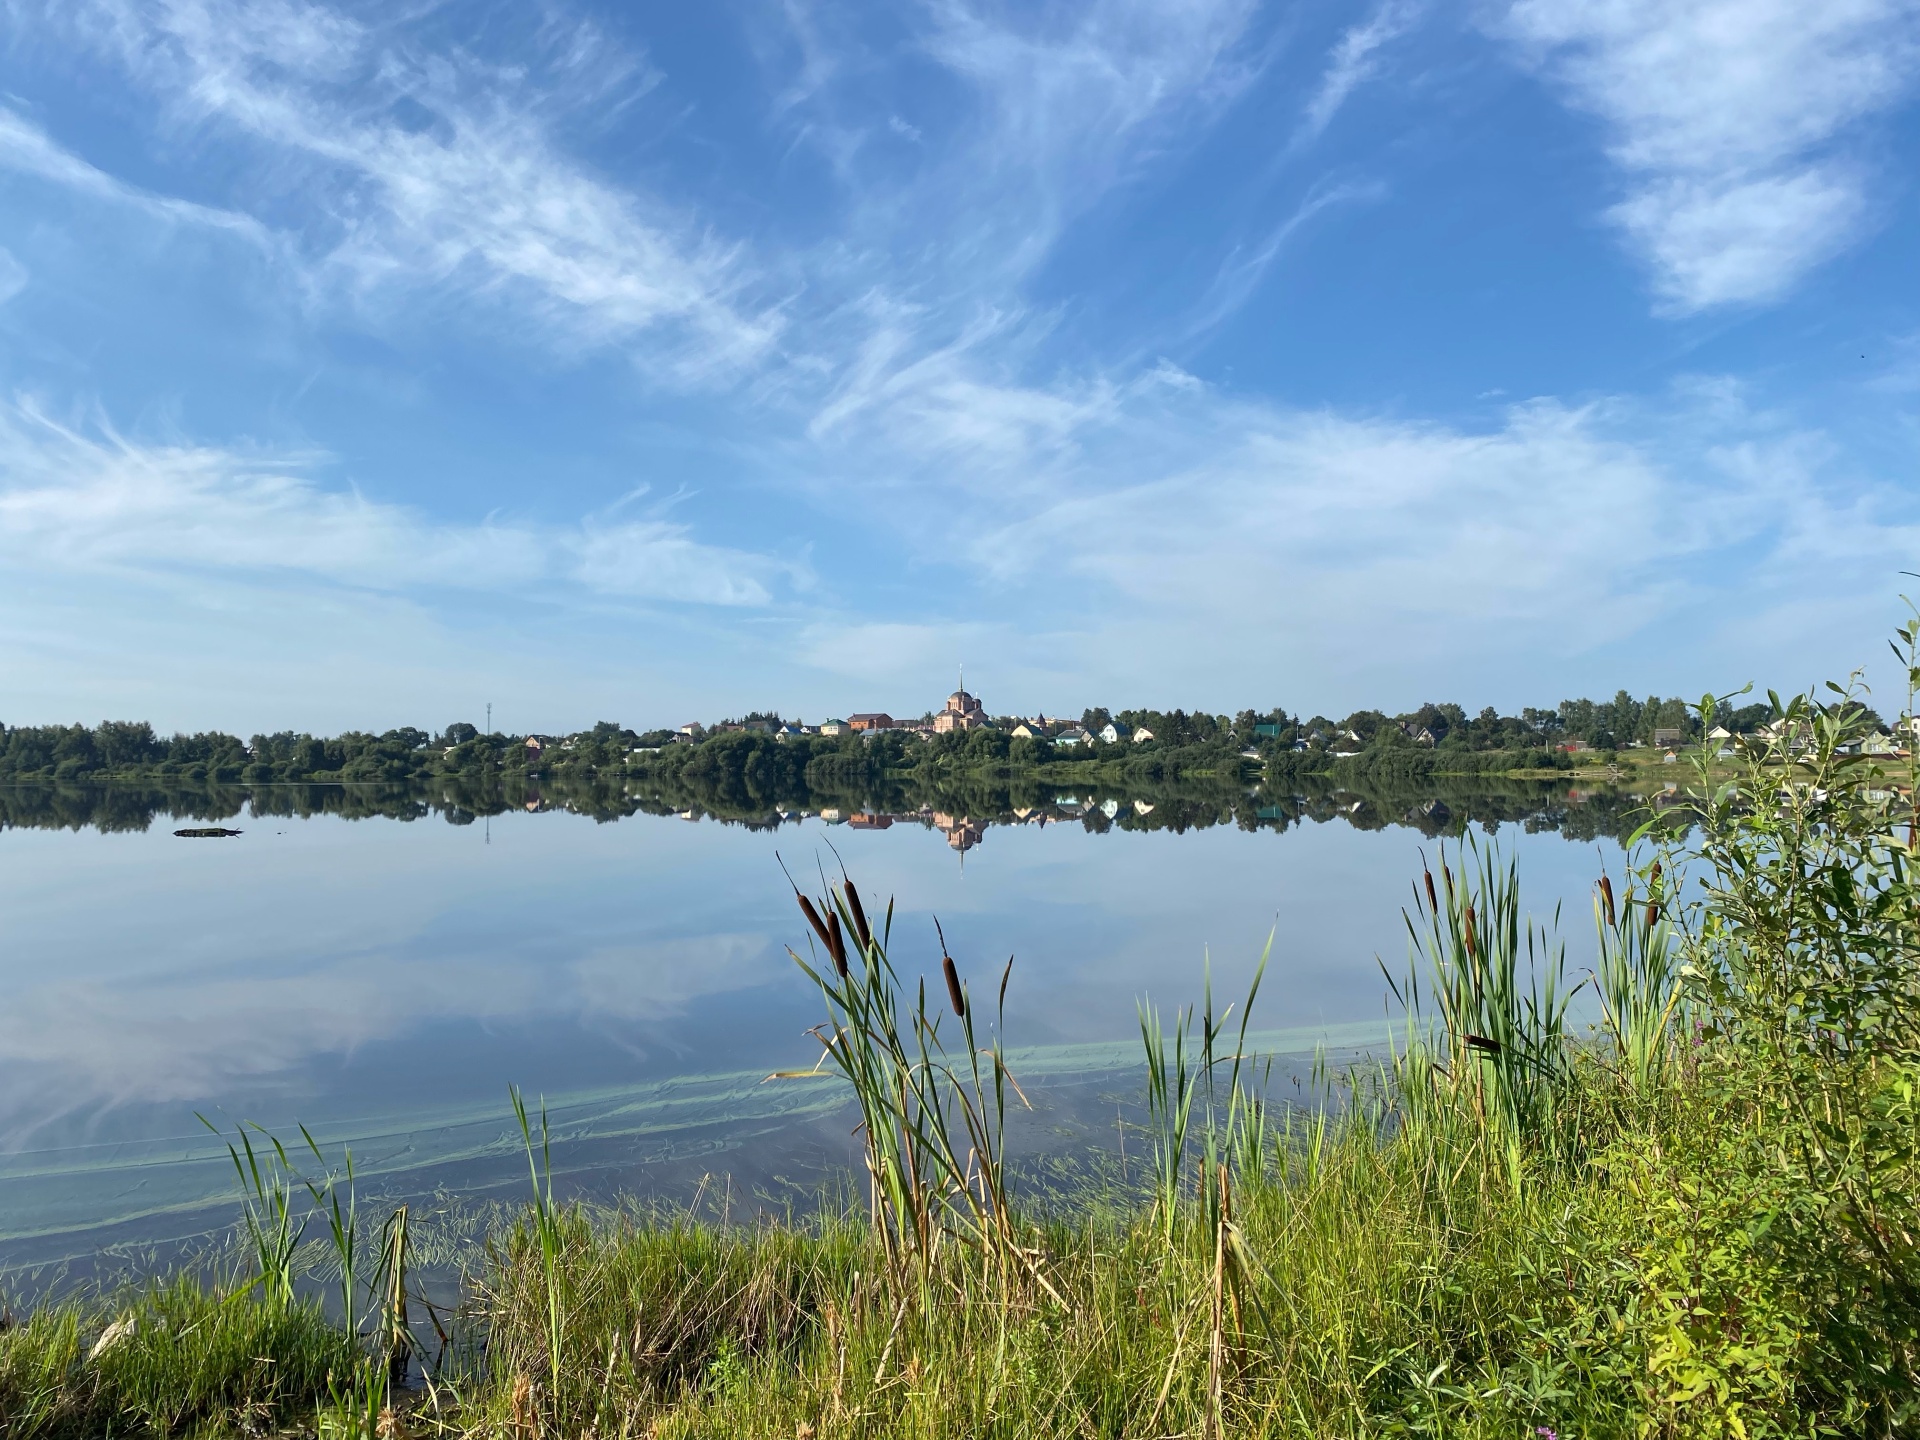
x=1597, y=724
x=1435, y=739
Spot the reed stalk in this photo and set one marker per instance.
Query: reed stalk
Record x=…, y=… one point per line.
x=1499, y=987
x=267, y=1184
x=547, y=1231
x=933, y=1125
x=1638, y=975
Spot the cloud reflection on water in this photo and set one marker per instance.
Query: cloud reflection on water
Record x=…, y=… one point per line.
x=311, y=964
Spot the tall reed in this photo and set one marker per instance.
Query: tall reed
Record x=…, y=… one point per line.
x=1183, y=1069
x=267, y=1185
x=933, y=1127
x=1499, y=986
x=547, y=1230
x=1638, y=973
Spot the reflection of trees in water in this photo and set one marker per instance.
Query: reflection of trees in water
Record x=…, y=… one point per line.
x=963, y=811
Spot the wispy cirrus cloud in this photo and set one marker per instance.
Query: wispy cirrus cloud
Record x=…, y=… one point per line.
x=1244, y=268
x=1057, y=107
x=13, y=276
x=1354, y=59
x=88, y=499
x=1070, y=96
x=27, y=149
x=1734, y=124
x=393, y=170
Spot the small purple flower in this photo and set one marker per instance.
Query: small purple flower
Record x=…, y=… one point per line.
x=1547, y=1432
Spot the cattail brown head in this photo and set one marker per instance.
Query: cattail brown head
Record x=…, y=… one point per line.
x=862, y=931
x=953, y=986
x=1433, y=902
x=1653, y=913
x=1606, y=898
x=813, y=919
x=837, y=944
x=1469, y=936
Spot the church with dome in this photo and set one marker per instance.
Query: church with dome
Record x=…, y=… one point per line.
x=963, y=712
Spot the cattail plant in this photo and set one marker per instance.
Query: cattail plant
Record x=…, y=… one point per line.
x=933, y=1125
x=1638, y=978
x=1499, y=987
x=1178, y=1074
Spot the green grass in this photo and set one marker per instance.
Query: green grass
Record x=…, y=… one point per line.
x=183, y=1357
x=1401, y=1284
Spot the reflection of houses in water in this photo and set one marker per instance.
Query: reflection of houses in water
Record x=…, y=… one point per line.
x=962, y=833
x=865, y=820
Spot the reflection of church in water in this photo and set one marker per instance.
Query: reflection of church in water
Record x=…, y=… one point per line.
x=962, y=834
x=963, y=712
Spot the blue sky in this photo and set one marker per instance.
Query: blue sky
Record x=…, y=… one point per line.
x=361, y=364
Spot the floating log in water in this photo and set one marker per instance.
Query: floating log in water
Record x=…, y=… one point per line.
x=206, y=832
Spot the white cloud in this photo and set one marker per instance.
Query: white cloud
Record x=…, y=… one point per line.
x=656, y=560
x=1732, y=121
x=1185, y=542
x=408, y=171
x=79, y=499
x=13, y=276
x=1354, y=60
x=1056, y=105
x=1070, y=97
x=1241, y=273
x=27, y=148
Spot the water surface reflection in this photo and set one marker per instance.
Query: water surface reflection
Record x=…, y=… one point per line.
x=383, y=980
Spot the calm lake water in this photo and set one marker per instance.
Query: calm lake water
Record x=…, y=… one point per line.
x=383, y=981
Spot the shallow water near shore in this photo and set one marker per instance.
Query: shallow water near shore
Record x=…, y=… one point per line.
x=382, y=981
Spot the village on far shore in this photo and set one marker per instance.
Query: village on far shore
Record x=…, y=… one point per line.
x=962, y=712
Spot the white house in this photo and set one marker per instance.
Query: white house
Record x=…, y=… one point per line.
x=1114, y=731
x=1142, y=735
